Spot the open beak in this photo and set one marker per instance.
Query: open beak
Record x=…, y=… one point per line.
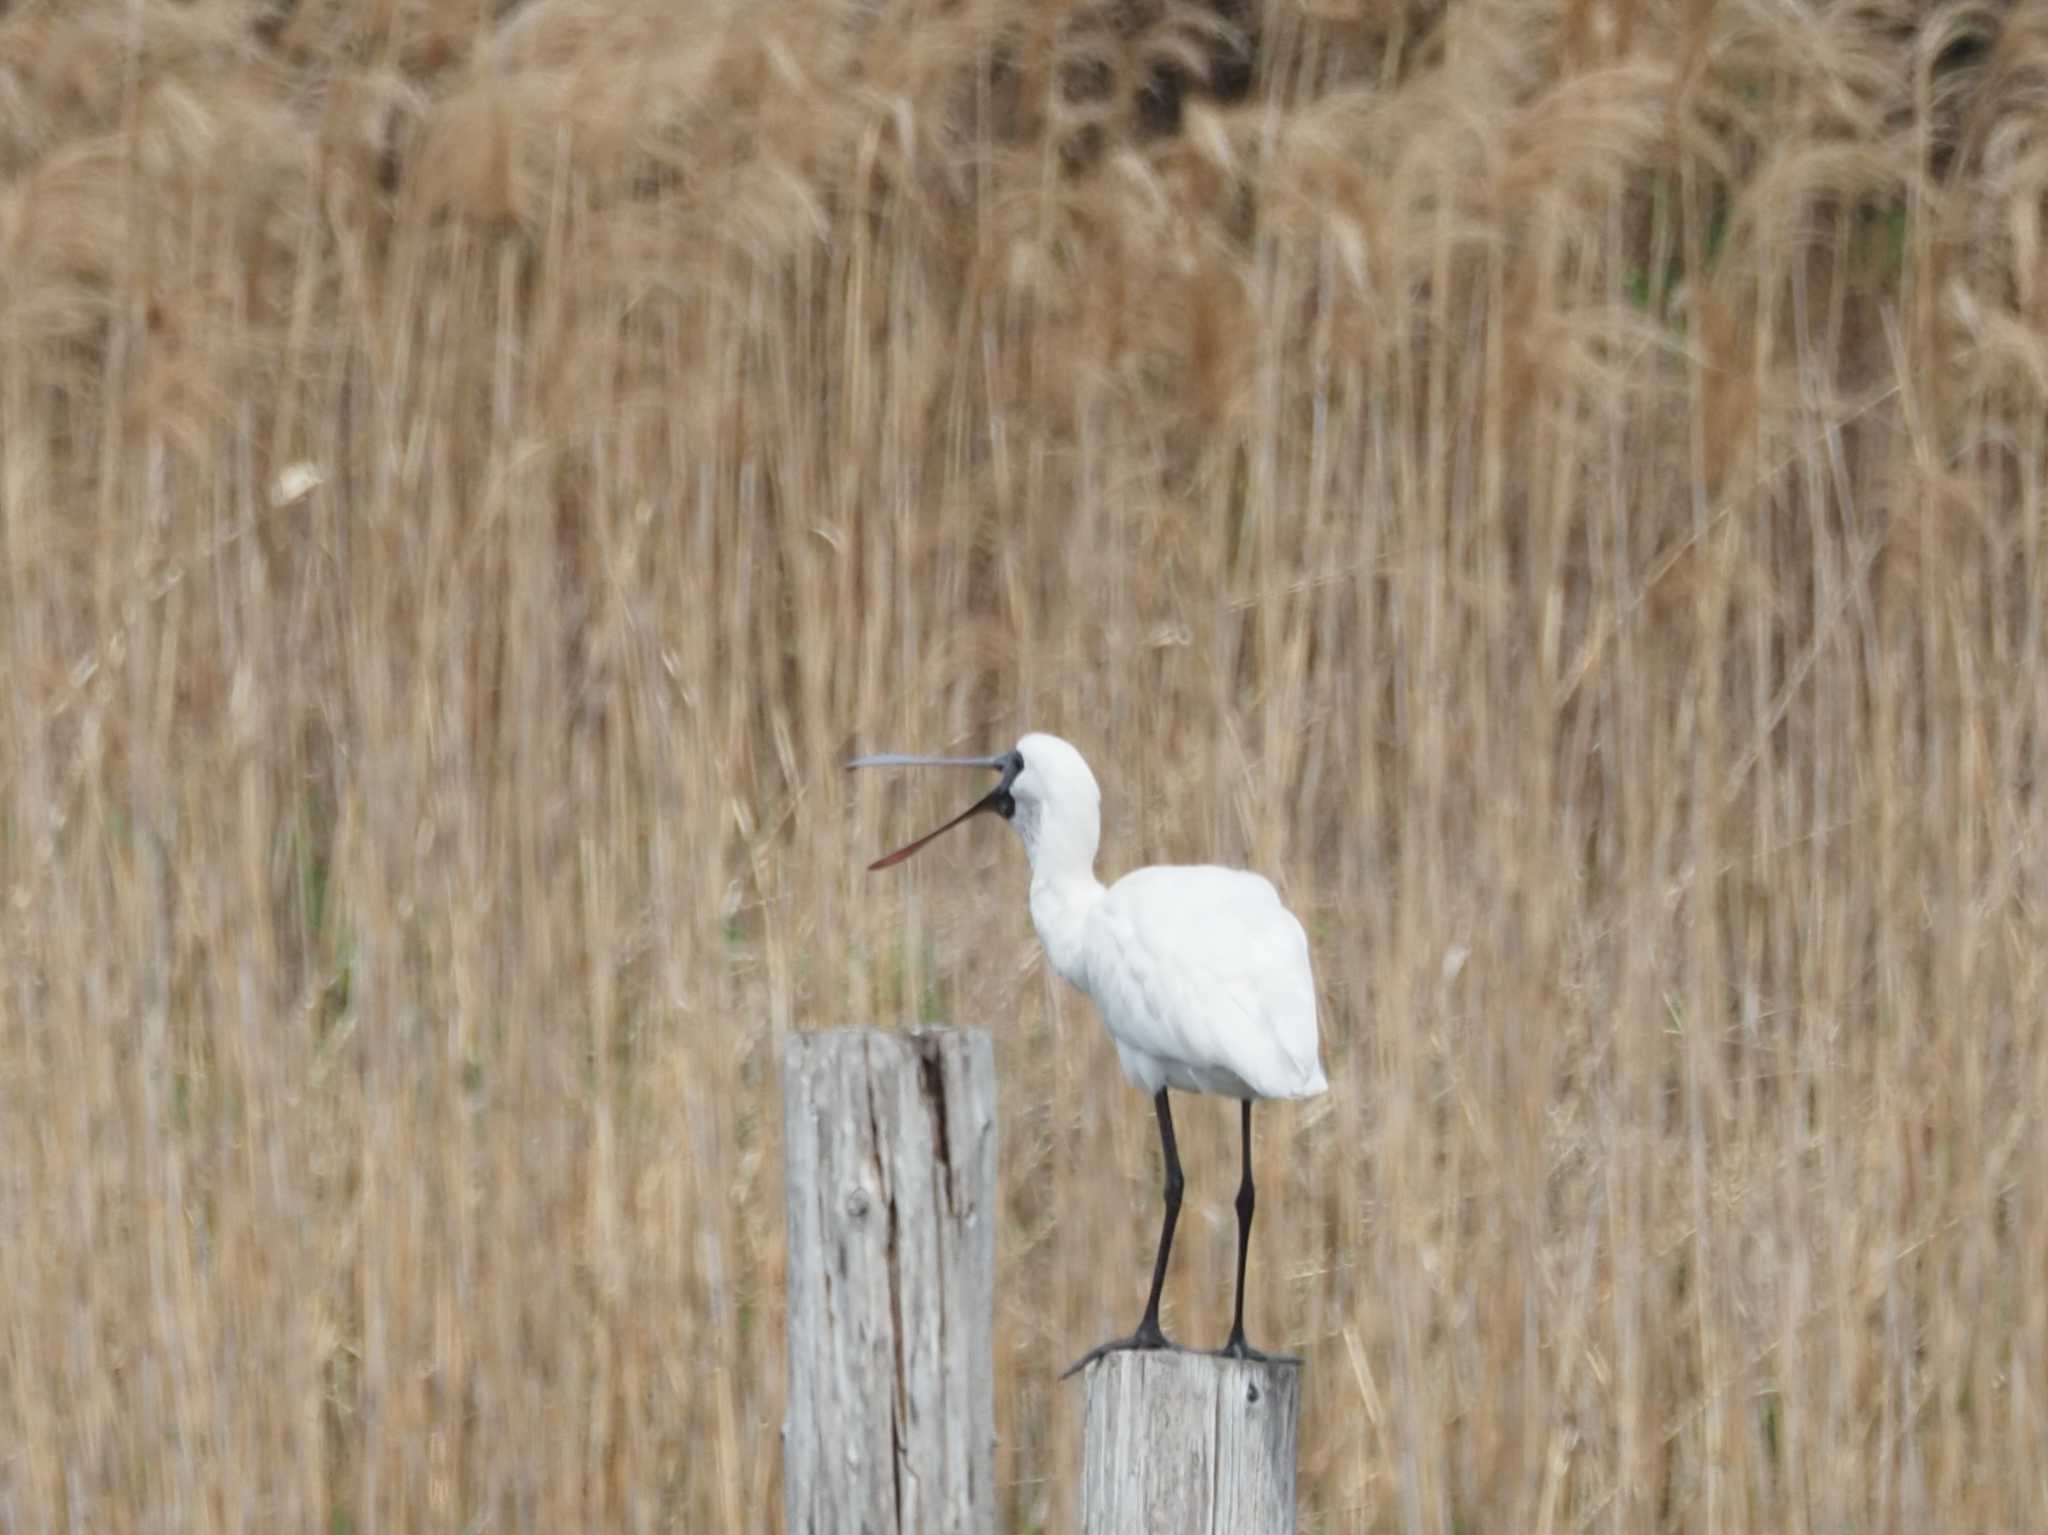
x=1007, y=765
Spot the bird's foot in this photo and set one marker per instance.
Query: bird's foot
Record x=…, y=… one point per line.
x=1148, y=1336
x=1237, y=1348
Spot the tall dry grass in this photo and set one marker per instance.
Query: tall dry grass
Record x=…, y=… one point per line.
x=1560, y=486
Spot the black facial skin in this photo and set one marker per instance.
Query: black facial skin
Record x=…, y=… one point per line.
x=1002, y=802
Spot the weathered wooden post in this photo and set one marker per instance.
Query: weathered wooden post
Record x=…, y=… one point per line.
x=890, y=1158
x=1189, y=1442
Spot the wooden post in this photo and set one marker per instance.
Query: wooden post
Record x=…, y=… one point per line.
x=890, y=1169
x=1189, y=1442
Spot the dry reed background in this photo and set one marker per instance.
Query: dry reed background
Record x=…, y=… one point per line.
x=1561, y=486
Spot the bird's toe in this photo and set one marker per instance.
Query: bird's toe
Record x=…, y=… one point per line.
x=1237, y=1348
x=1145, y=1338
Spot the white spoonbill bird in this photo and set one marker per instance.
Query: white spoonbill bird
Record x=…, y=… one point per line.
x=1201, y=976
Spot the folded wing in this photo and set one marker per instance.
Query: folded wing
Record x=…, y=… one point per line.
x=1203, y=966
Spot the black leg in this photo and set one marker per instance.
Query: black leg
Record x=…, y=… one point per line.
x=1247, y=1198
x=1148, y=1329
x=1148, y=1334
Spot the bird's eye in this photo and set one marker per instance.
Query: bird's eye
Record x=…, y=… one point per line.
x=1006, y=804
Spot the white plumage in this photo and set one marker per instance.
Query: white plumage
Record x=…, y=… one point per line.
x=1201, y=976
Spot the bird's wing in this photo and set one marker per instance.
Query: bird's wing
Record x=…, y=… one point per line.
x=1204, y=965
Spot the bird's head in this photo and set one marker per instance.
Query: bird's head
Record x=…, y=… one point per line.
x=1044, y=790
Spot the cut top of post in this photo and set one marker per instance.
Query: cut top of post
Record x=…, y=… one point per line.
x=1191, y=1443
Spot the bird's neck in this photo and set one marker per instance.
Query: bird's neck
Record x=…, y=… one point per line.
x=1061, y=900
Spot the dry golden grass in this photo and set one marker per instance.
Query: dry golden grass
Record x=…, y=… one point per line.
x=1561, y=486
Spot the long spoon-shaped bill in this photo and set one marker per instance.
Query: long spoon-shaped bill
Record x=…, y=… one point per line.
x=903, y=759
x=988, y=801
